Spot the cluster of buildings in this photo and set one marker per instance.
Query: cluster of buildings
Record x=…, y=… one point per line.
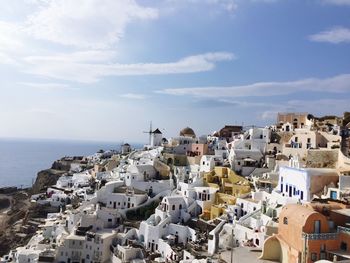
x=283, y=190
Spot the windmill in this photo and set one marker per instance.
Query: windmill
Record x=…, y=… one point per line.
x=150, y=132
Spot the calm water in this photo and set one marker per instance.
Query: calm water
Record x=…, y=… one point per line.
x=20, y=160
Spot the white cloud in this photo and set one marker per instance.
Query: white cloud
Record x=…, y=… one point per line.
x=338, y=2
x=47, y=86
x=133, y=96
x=334, y=35
x=86, y=23
x=337, y=84
x=226, y=5
x=85, y=32
x=76, y=67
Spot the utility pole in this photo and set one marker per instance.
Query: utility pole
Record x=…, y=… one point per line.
x=233, y=239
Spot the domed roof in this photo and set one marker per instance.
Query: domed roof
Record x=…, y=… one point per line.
x=187, y=132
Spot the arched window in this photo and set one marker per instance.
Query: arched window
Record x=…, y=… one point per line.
x=285, y=220
x=173, y=207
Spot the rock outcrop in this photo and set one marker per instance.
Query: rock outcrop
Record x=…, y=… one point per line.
x=46, y=178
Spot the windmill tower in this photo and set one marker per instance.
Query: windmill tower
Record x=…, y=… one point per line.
x=155, y=137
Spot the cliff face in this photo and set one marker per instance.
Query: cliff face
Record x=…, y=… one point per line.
x=61, y=165
x=46, y=178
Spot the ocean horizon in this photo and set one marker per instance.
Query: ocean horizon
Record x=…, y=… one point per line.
x=22, y=159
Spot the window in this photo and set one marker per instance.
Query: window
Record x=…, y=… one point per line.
x=343, y=246
x=301, y=195
x=285, y=220
x=109, y=219
x=313, y=256
x=308, y=140
x=173, y=207
x=180, y=206
x=317, y=226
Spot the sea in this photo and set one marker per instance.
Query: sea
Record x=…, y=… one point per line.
x=22, y=159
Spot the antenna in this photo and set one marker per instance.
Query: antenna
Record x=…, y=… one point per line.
x=150, y=132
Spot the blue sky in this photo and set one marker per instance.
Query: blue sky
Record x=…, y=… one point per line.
x=102, y=69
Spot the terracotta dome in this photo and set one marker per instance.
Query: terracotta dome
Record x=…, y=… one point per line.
x=187, y=132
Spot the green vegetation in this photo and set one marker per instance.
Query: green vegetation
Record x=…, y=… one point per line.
x=142, y=213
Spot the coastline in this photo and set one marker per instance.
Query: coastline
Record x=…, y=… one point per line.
x=19, y=217
x=22, y=159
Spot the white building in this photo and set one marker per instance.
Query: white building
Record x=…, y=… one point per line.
x=253, y=139
x=115, y=195
x=305, y=183
x=156, y=138
x=208, y=162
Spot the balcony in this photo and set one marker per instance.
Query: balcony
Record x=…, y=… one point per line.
x=320, y=236
x=326, y=236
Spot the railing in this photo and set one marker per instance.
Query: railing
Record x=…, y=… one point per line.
x=325, y=236
x=243, y=218
x=343, y=229
x=320, y=236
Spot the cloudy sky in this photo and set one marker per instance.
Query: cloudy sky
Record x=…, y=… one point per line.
x=102, y=69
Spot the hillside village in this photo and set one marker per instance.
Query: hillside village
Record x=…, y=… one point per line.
x=279, y=193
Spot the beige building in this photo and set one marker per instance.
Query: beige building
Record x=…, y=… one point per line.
x=290, y=121
x=302, y=140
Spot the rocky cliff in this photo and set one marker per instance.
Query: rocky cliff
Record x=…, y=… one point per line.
x=46, y=178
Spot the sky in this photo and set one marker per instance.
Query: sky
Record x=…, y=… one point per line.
x=103, y=69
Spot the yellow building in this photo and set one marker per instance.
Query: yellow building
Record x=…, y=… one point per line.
x=230, y=187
